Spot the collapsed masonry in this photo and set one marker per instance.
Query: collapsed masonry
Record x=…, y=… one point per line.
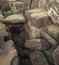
x=29, y=33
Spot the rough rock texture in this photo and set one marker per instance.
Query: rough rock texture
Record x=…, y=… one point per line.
x=29, y=12
x=34, y=4
x=38, y=58
x=55, y=15
x=7, y=57
x=3, y=29
x=53, y=31
x=19, y=6
x=6, y=6
x=37, y=19
x=56, y=56
x=16, y=18
x=49, y=39
x=27, y=4
x=37, y=44
x=1, y=17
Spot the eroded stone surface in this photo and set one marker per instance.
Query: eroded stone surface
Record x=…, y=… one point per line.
x=16, y=18
x=37, y=44
x=38, y=58
x=56, y=56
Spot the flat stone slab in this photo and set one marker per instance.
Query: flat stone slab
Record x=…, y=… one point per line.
x=29, y=12
x=37, y=44
x=13, y=19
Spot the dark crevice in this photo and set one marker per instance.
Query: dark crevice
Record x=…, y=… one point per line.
x=30, y=4
x=47, y=58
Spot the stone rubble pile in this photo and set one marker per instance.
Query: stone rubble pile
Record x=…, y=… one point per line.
x=29, y=32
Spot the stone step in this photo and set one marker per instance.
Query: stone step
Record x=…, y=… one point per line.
x=37, y=44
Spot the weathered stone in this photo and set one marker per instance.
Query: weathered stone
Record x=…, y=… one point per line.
x=49, y=55
x=27, y=4
x=2, y=42
x=46, y=4
x=34, y=4
x=41, y=3
x=33, y=32
x=16, y=61
x=56, y=56
x=13, y=19
x=3, y=31
x=40, y=19
x=53, y=13
x=4, y=5
x=1, y=17
x=5, y=59
x=49, y=39
x=9, y=45
x=29, y=12
x=38, y=58
x=53, y=31
x=37, y=21
x=37, y=44
x=11, y=0
x=18, y=6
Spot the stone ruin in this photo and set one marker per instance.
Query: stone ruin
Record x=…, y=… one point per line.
x=29, y=32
